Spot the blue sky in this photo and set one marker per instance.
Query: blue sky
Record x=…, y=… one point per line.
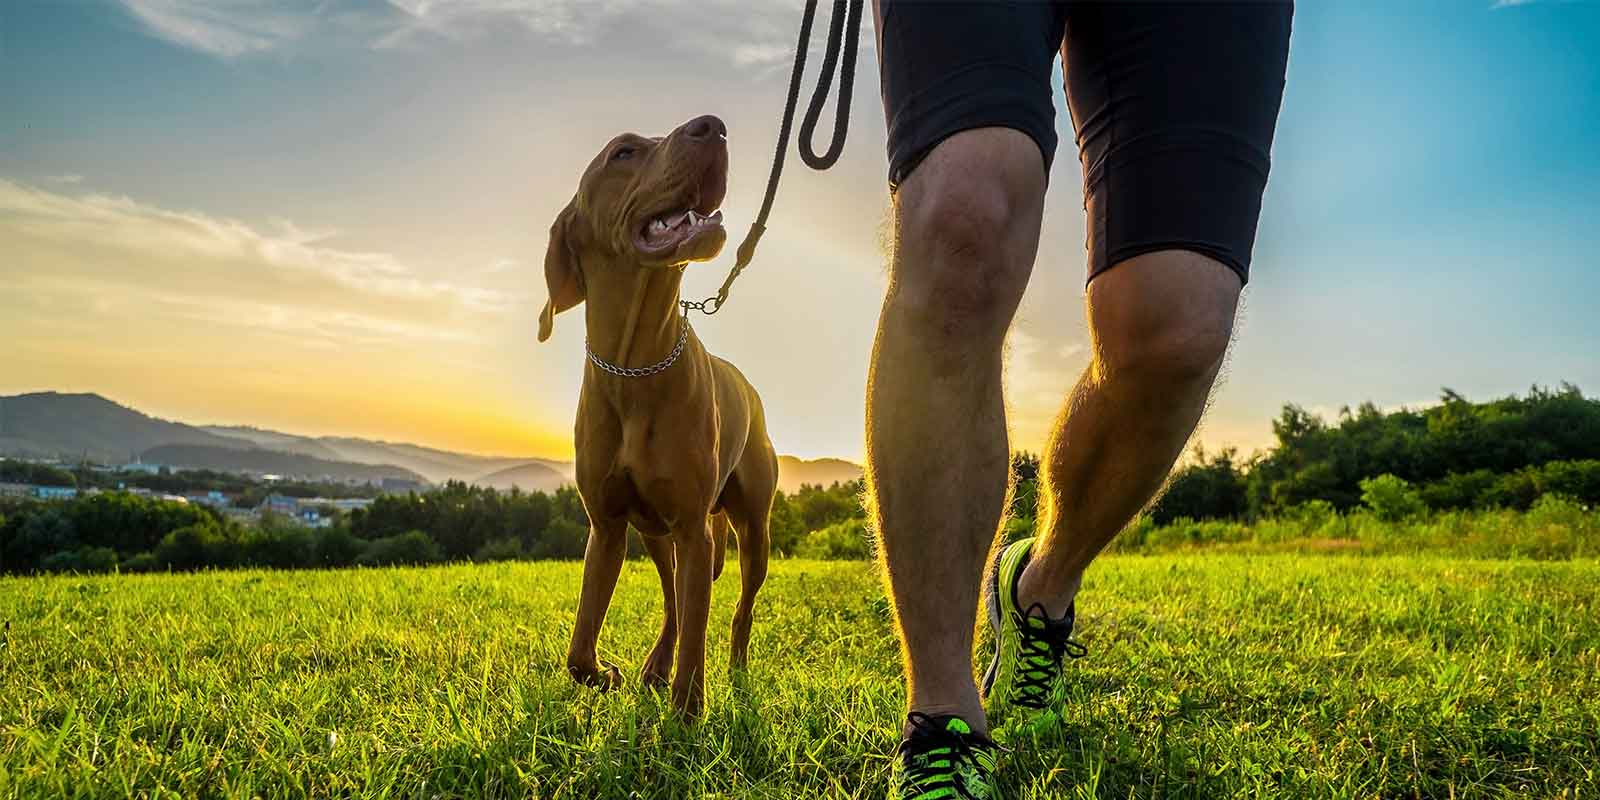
x=328, y=217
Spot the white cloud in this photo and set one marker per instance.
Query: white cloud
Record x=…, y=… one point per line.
x=745, y=33
x=226, y=28
x=198, y=267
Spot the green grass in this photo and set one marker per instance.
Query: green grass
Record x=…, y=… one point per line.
x=1209, y=675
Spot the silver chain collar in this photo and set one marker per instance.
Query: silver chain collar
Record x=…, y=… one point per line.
x=641, y=372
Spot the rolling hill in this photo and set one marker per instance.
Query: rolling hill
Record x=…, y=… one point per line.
x=795, y=472
x=77, y=426
x=258, y=460
x=435, y=465
x=533, y=476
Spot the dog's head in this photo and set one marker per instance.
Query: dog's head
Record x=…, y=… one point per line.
x=643, y=203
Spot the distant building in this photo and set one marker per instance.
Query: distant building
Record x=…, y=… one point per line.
x=55, y=492
x=212, y=498
x=141, y=467
x=16, y=489
x=280, y=504
x=314, y=518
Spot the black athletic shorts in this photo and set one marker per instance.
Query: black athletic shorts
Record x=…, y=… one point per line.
x=1174, y=106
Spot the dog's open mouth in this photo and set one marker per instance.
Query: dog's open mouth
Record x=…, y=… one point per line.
x=673, y=229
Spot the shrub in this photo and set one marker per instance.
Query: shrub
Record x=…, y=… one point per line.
x=278, y=546
x=143, y=562
x=1458, y=490
x=411, y=547
x=565, y=538
x=847, y=539
x=500, y=550
x=1577, y=480
x=87, y=559
x=1391, y=498
x=193, y=547
x=336, y=547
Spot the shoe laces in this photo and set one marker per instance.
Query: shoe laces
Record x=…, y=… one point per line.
x=936, y=760
x=1043, y=643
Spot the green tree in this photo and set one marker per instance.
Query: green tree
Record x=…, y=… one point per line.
x=411, y=547
x=1213, y=487
x=1391, y=498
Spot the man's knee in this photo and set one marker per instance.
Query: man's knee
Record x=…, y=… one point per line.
x=967, y=232
x=1164, y=317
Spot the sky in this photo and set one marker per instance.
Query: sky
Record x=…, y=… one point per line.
x=329, y=216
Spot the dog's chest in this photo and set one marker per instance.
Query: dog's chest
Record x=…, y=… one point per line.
x=653, y=471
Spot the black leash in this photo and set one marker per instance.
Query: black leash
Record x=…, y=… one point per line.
x=846, y=21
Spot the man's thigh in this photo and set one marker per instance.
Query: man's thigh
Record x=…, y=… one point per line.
x=948, y=67
x=1174, y=107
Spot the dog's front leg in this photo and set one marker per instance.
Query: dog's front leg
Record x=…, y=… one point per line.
x=602, y=562
x=694, y=565
x=658, y=666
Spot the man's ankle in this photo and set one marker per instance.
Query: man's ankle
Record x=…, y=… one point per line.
x=971, y=714
x=1053, y=592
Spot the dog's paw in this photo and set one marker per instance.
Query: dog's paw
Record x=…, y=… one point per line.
x=606, y=678
x=655, y=678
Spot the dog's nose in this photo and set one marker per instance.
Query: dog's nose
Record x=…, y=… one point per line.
x=705, y=127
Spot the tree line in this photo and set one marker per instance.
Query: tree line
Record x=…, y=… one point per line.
x=118, y=530
x=1458, y=455
x=1505, y=455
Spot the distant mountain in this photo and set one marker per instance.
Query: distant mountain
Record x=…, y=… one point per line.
x=273, y=440
x=533, y=476
x=75, y=426
x=794, y=472
x=437, y=466
x=191, y=456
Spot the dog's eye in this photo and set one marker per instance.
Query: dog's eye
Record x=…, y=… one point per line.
x=623, y=154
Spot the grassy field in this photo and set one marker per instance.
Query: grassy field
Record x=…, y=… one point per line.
x=1208, y=675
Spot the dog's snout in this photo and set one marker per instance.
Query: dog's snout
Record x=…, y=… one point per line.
x=706, y=127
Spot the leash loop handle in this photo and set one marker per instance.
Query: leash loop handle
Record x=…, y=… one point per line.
x=846, y=24
x=819, y=98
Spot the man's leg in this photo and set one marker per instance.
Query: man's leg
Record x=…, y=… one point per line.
x=1175, y=151
x=1160, y=325
x=966, y=233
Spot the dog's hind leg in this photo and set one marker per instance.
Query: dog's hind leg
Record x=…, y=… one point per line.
x=658, y=666
x=719, y=542
x=602, y=562
x=753, y=546
x=752, y=510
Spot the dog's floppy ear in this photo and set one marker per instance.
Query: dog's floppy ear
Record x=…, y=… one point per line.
x=562, y=276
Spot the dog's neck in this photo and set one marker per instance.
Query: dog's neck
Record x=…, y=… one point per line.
x=632, y=316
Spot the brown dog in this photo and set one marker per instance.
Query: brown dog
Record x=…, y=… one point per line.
x=676, y=444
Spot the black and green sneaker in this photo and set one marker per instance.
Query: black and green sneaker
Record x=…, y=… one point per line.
x=943, y=759
x=1028, y=645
